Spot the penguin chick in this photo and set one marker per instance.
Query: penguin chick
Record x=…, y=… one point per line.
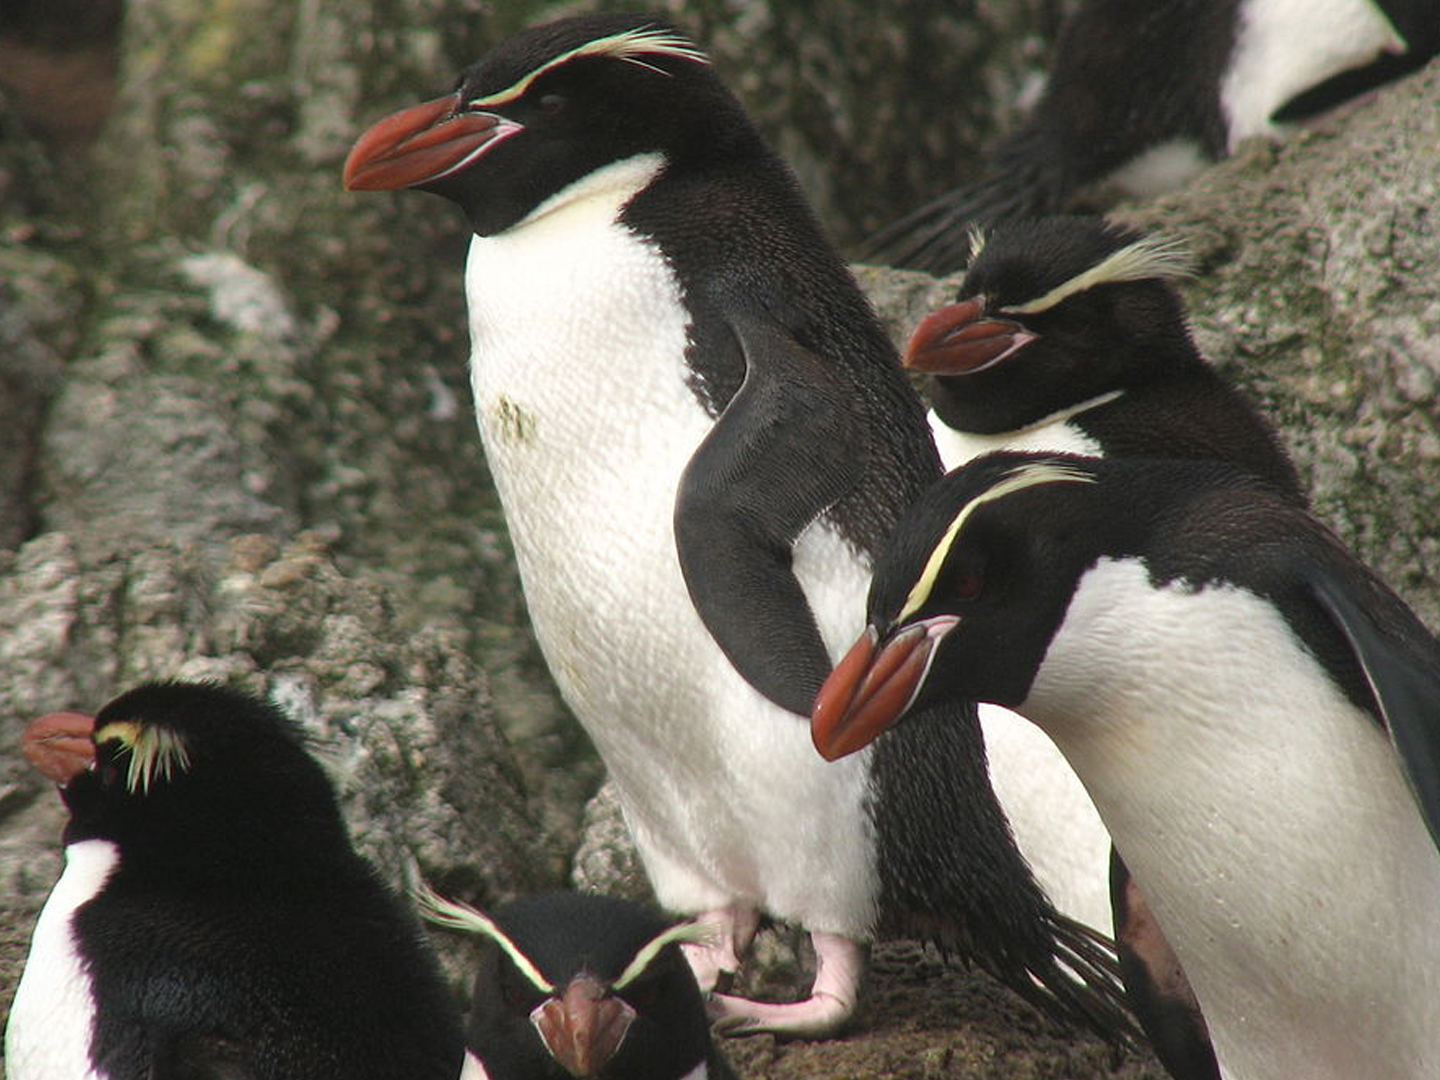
x=700, y=435
x=212, y=919
x=583, y=986
x=1142, y=96
x=1255, y=714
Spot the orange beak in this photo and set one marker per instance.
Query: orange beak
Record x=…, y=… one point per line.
x=873, y=686
x=422, y=143
x=584, y=1027
x=958, y=340
x=59, y=745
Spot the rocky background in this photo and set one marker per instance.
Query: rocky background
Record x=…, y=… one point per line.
x=235, y=437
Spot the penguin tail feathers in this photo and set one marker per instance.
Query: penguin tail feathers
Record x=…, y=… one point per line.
x=1082, y=983
x=1023, y=181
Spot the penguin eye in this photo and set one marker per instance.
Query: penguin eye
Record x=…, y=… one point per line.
x=550, y=104
x=967, y=585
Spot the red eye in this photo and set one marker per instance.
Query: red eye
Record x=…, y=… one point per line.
x=967, y=585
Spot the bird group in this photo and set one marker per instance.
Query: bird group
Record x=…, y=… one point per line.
x=1225, y=743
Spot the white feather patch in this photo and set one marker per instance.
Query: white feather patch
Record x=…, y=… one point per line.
x=1284, y=47
x=53, y=1016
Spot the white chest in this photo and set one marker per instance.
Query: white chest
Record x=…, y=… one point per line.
x=585, y=408
x=1265, y=819
x=1284, y=47
x=1055, y=825
x=52, y=1018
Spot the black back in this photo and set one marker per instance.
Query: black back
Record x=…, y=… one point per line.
x=241, y=936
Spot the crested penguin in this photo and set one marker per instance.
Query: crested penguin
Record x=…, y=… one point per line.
x=1141, y=96
x=1068, y=334
x=212, y=918
x=700, y=434
x=1255, y=714
x=584, y=986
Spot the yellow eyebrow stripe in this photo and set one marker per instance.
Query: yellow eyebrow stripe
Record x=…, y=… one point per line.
x=692, y=932
x=1161, y=257
x=457, y=916
x=154, y=751
x=1017, y=479
x=629, y=45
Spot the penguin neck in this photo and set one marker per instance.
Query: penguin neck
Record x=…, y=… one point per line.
x=1239, y=784
x=1055, y=433
x=596, y=199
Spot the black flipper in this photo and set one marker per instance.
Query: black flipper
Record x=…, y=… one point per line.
x=780, y=455
x=1156, y=985
x=1403, y=678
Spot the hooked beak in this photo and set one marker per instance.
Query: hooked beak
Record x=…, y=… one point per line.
x=59, y=745
x=874, y=685
x=422, y=144
x=584, y=1027
x=958, y=340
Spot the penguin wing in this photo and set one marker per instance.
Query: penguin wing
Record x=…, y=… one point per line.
x=1404, y=679
x=781, y=453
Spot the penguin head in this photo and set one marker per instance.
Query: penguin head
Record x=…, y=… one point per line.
x=548, y=107
x=1053, y=312
x=581, y=986
x=184, y=770
x=964, y=601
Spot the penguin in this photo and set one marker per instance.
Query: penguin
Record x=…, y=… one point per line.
x=1142, y=96
x=700, y=434
x=1068, y=334
x=1255, y=714
x=212, y=919
x=584, y=986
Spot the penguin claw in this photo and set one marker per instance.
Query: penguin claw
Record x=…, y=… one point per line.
x=816, y=1017
x=839, y=967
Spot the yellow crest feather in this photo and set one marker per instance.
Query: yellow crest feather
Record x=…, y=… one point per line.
x=628, y=45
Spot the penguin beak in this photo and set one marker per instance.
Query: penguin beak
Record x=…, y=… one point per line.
x=422, y=144
x=59, y=745
x=874, y=685
x=584, y=1027
x=958, y=340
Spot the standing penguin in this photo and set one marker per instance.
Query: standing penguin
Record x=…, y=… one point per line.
x=700, y=436
x=1143, y=94
x=1069, y=335
x=583, y=986
x=213, y=920
x=1255, y=715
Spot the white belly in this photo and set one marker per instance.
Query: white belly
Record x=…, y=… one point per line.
x=1266, y=821
x=588, y=422
x=53, y=1015
x=1055, y=824
x=1284, y=47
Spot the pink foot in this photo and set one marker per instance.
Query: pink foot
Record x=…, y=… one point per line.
x=839, y=965
x=715, y=962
